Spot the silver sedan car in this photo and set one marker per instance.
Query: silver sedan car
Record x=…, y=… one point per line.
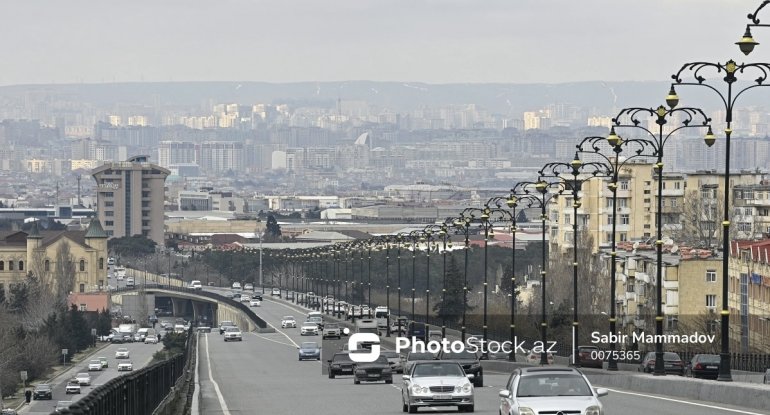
x=437, y=383
x=538, y=390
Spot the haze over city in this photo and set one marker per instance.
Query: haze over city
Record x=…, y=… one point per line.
x=433, y=41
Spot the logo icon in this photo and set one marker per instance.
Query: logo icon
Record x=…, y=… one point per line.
x=364, y=355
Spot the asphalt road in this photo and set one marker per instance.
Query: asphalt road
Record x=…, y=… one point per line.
x=262, y=375
x=140, y=356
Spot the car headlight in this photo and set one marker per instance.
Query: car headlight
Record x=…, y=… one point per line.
x=593, y=410
x=360, y=372
x=523, y=410
x=417, y=389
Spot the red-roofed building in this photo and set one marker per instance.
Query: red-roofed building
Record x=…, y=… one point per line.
x=94, y=301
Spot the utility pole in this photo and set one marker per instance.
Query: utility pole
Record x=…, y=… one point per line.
x=79, y=202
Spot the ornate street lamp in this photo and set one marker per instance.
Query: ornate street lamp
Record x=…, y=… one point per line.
x=512, y=202
x=634, y=118
x=538, y=194
x=574, y=174
x=634, y=149
x=463, y=225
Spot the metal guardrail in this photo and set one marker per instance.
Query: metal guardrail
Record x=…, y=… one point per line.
x=259, y=322
x=139, y=392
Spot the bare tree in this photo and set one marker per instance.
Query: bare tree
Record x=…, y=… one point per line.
x=63, y=274
x=702, y=215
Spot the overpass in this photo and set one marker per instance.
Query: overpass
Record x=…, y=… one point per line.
x=186, y=301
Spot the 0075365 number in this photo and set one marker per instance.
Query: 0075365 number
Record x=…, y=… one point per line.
x=616, y=355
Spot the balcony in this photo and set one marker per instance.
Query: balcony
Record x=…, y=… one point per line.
x=631, y=296
x=670, y=285
x=671, y=309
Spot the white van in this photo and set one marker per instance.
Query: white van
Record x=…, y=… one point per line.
x=196, y=285
x=130, y=282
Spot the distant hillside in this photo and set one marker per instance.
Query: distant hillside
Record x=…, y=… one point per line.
x=399, y=96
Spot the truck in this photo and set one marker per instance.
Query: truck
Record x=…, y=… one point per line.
x=381, y=315
x=128, y=329
x=367, y=325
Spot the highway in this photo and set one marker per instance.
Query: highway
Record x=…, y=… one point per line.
x=141, y=355
x=262, y=375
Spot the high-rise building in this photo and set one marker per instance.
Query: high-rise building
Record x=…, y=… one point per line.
x=130, y=198
x=221, y=156
x=176, y=152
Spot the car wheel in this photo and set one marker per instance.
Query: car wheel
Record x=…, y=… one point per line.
x=331, y=375
x=404, y=407
x=389, y=381
x=356, y=382
x=470, y=408
x=412, y=409
x=479, y=383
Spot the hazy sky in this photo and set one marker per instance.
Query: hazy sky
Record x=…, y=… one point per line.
x=435, y=41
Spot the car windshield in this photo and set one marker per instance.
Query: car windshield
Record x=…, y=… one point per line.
x=437, y=369
x=709, y=358
x=288, y=317
x=43, y=387
x=552, y=385
x=314, y=318
x=96, y=362
x=420, y=356
x=82, y=375
x=459, y=355
x=232, y=329
x=332, y=326
x=390, y=355
x=63, y=405
x=309, y=323
x=309, y=345
x=342, y=357
x=671, y=356
x=122, y=350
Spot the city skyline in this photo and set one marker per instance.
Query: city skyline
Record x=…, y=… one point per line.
x=426, y=41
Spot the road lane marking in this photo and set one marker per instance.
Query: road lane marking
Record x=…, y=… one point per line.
x=195, y=409
x=721, y=408
x=274, y=341
x=221, y=398
x=284, y=334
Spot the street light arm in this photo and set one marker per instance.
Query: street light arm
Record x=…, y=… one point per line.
x=753, y=16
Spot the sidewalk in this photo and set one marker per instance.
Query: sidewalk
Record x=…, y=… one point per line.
x=55, y=372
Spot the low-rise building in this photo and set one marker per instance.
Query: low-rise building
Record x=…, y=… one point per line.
x=749, y=296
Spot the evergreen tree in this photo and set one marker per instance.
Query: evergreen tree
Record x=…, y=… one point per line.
x=451, y=306
x=272, y=228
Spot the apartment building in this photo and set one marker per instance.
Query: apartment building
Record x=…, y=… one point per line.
x=636, y=208
x=221, y=156
x=691, y=288
x=176, y=152
x=749, y=296
x=751, y=210
x=130, y=198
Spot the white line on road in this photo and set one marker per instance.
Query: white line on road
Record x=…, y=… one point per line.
x=274, y=341
x=221, y=398
x=721, y=408
x=195, y=409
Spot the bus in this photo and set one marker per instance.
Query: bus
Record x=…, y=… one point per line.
x=367, y=325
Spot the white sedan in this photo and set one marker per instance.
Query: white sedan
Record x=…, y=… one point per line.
x=94, y=365
x=254, y=302
x=288, y=321
x=308, y=328
x=122, y=353
x=125, y=366
x=84, y=378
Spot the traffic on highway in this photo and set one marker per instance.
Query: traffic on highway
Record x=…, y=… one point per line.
x=293, y=369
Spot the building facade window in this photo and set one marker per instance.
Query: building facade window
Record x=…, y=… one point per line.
x=2, y=265
x=101, y=263
x=711, y=275
x=711, y=301
x=82, y=307
x=624, y=185
x=82, y=265
x=47, y=265
x=82, y=288
x=21, y=265
x=625, y=219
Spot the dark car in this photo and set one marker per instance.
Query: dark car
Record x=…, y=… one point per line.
x=42, y=391
x=703, y=366
x=590, y=356
x=418, y=330
x=373, y=371
x=309, y=350
x=340, y=365
x=470, y=363
x=257, y=297
x=672, y=363
x=411, y=357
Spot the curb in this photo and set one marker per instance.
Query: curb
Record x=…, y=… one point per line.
x=65, y=369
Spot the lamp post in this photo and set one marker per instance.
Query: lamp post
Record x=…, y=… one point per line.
x=400, y=244
x=369, y=271
x=463, y=225
x=386, y=241
x=512, y=202
x=447, y=243
x=414, y=237
x=574, y=174
x=635, y=148
x=659, y=138
x=729, y=97
x=538, y=194
x=487, y=226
